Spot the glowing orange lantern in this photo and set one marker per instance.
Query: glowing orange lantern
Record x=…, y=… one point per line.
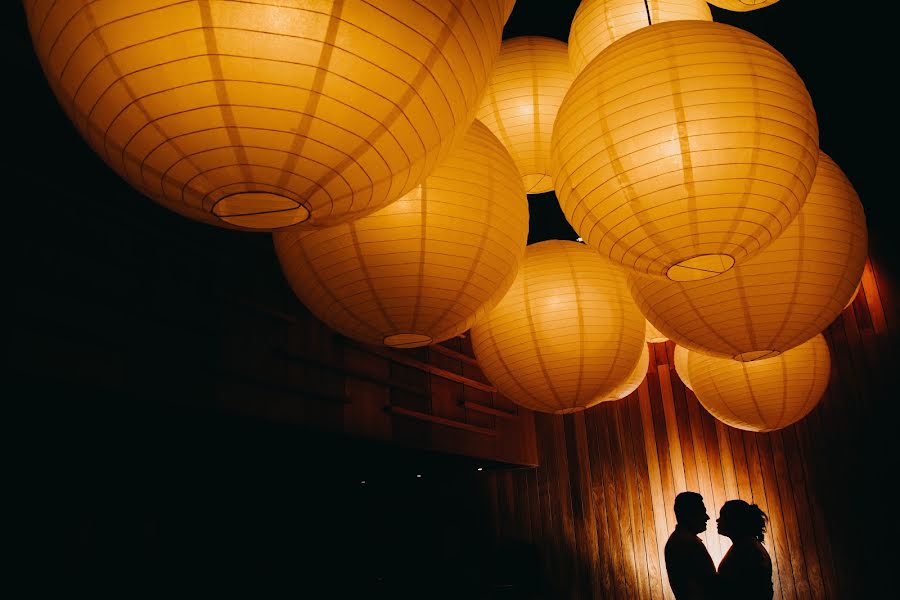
x=566, y=332
x=530, y=79
x=742, y=5
x=265, y=114
x=684, y=148
x=783, y=296
x=766, y=394
x=631, y=383
x=599, y=23
x=421, y=269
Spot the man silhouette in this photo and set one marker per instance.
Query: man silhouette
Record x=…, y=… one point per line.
x=692, y=574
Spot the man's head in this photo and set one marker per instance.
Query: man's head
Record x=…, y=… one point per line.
x=690, y=512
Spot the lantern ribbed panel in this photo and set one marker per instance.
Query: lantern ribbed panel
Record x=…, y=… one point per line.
x=421, y=269
x=566, y=332
x=783, y=296
x=264, y=114
x=631, y=383
x=684, y=148
x=530, y=78
x=680, y=357
x=599, y=23
x=742, y=5
x=763, y=395
x=652, y=335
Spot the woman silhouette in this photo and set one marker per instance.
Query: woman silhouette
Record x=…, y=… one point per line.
x=745, y=572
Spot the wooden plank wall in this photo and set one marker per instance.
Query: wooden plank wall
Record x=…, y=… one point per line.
x=599, y=507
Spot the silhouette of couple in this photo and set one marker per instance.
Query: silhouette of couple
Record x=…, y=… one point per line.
x=745, y=572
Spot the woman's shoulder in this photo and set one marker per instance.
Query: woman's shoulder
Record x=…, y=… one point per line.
x=750, y=551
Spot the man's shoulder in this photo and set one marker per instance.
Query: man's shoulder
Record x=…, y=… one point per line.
x=682, y=538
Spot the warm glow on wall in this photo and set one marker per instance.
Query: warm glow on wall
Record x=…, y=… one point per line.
x=652, y=335
x=631, y=383
x=565, y=333
x=766, y=394
x=421, y=269
x=742, y=5
x=684, y=148
x=783, y=296
x=599, y=23
x=530, y=78
x=265, y=114
x=680, y=358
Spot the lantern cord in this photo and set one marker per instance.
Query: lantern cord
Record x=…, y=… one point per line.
x=647, y=6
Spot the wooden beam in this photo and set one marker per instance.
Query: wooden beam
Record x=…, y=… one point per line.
x=414, y=414
x=347, y=370
x=422, y=366
x=470, y=360
x=489, y=410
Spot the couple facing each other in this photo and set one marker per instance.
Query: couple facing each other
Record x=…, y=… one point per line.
x=745, y=572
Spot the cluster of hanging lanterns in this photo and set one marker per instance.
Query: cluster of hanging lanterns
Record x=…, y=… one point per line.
x=390, y=150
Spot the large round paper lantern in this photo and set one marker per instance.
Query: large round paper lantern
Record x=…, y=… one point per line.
x=566, y=332
x=599, y=23
x=680, y=358
x=742, y=5
x=763, y=395
x=530, y=78
x=421, y=269
x=783, y=296
x=631, y=383
x=684, y=148
x=265, y=114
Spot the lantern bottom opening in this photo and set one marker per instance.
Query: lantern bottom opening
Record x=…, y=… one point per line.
x=260, y=210
x=702, y=266
x=756, y=355
x=407, y=340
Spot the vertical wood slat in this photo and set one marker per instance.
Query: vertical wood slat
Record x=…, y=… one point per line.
x=626, y=525
x=813, y=445
x=655, y=478
x=600, y=462
x=582, y=507
x=805, y=513
x=782, y=575
x=632, y=463
x=654, y=567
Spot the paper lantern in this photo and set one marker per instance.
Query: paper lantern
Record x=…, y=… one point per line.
x=631, y=383
x=599, y=23
x=684, y=148
x=742, y=5
x=265, y=114
x=420, y=270
x=530, y=79
x=652, y=335
x=783, y=296
x=680, y=357
x=566, y=332
x=762, y=395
